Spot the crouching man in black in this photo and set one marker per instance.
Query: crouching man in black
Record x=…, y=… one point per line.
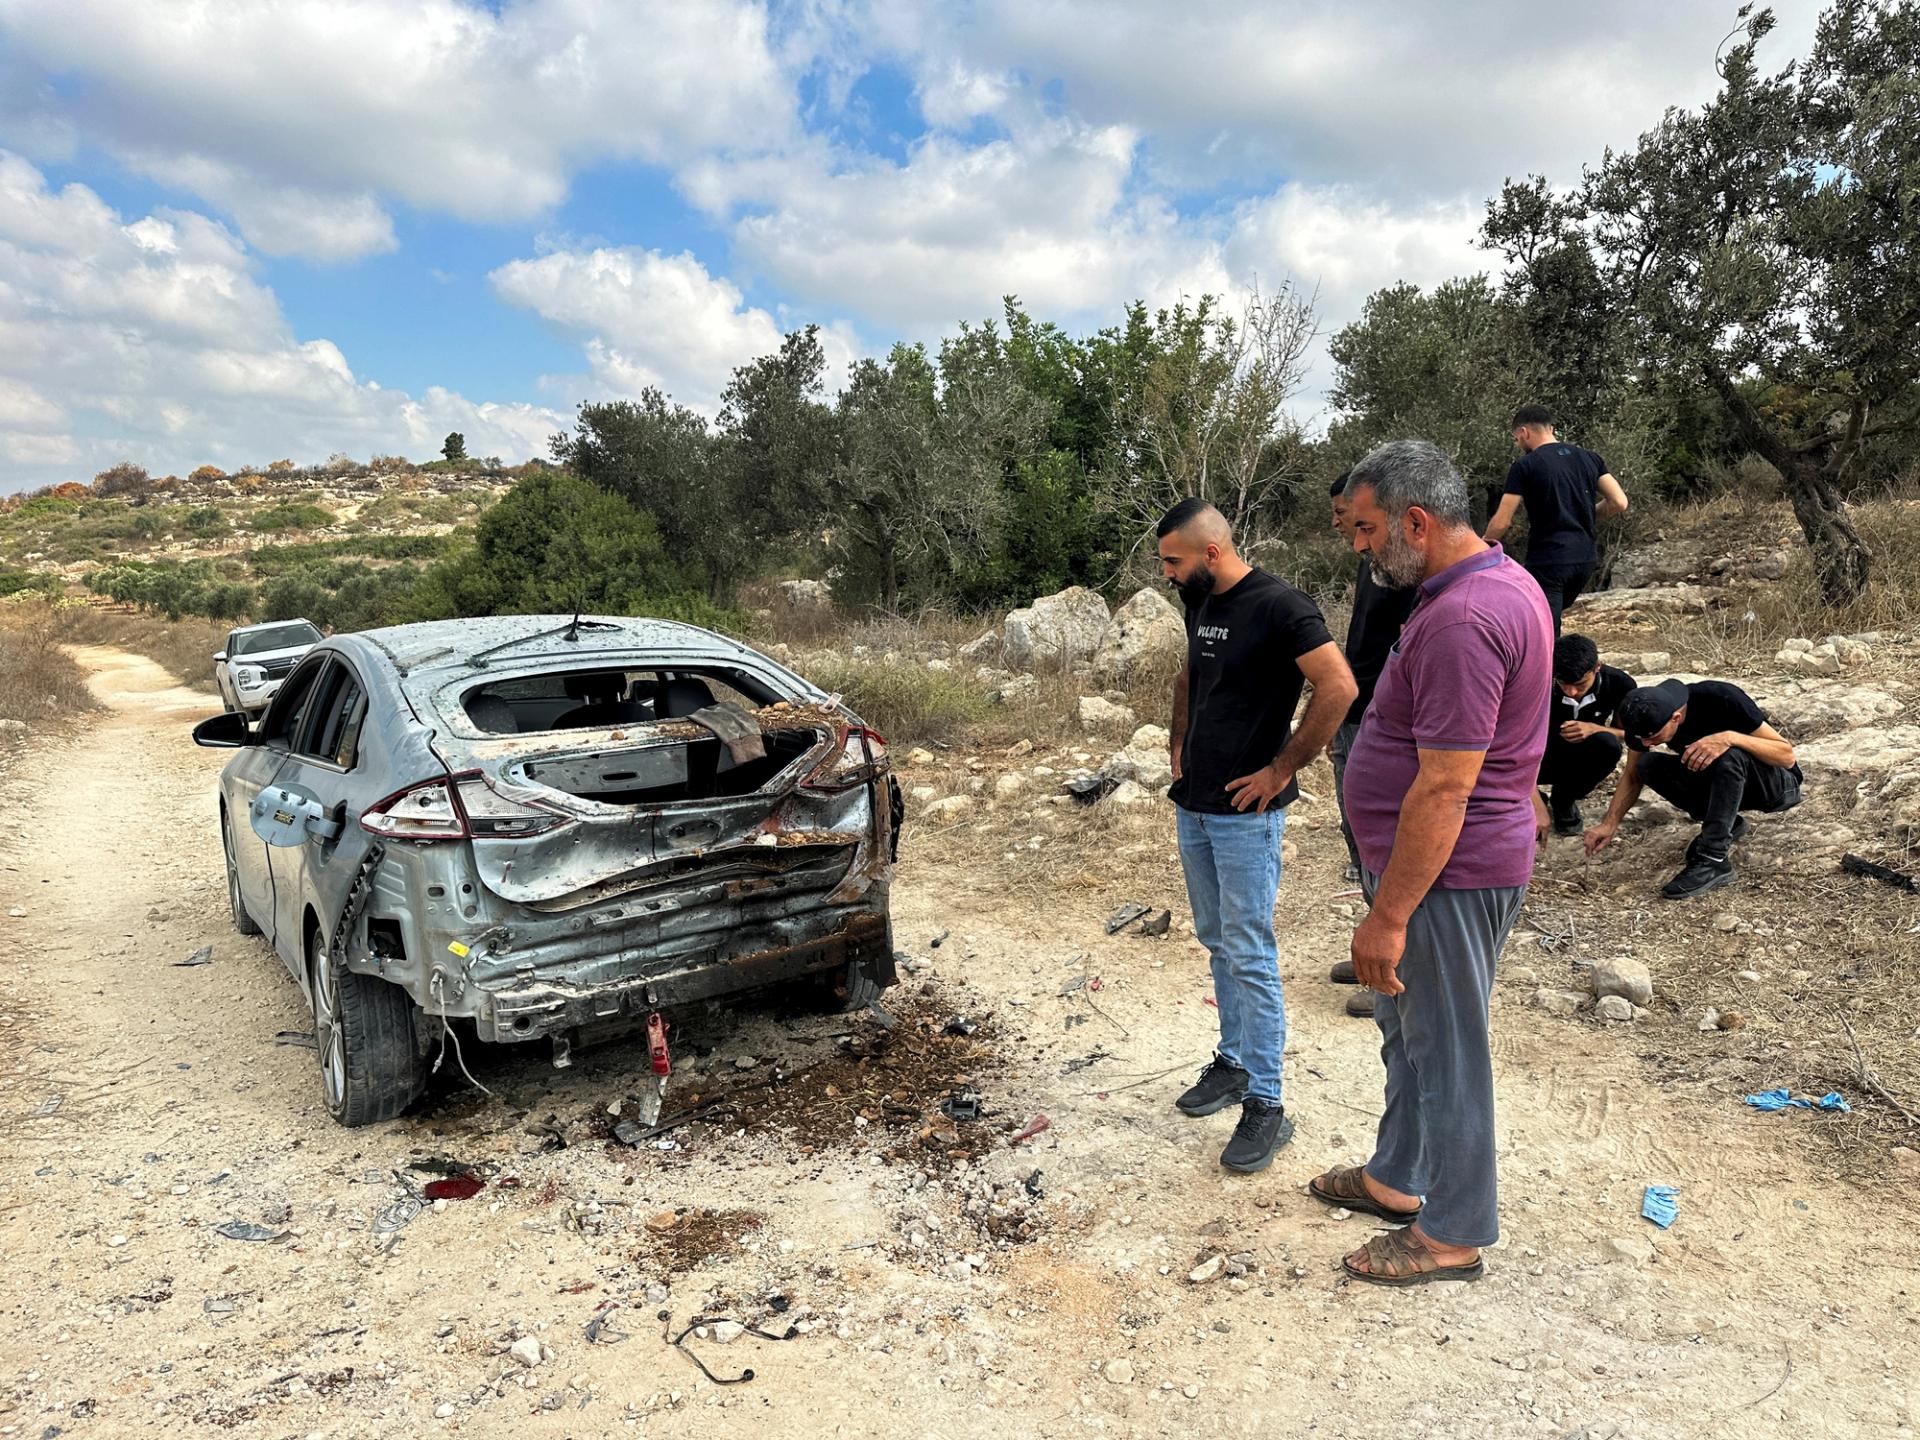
x=1723, y=757
x=1584, y=739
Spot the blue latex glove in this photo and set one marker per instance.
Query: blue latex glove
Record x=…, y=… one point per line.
x=1783, y=1099
x=1661, y=1205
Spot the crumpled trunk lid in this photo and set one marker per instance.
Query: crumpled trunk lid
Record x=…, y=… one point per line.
x=662, y=806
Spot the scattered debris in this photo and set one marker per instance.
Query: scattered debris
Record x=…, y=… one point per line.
x=879, y=1012
x=396, y=1217
x=962, y=1105
x=1159, y=925
x=1209, y=1269
x=1661, y=1205
x=1034, y=1184
x=597, y=1331
x=1126, y=915
x=938, y=940
x=1783, y=1099
x=1857, y=865
x=960, y=1025
x=1092, y=789
x=525, y=1352
x=702, y=1322
x=1083, y=1062
x=247, y=1230
x=202, y=956
x=49, y=1105
x=303, y=1039
x=1037, y=1125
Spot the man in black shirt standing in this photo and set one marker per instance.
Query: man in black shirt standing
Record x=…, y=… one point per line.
x=1723, y=758
x=1567, y=491
x=1253, y=642
x=1584, y=740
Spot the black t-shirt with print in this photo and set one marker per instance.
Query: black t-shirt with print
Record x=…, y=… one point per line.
x=1558, y=484
x=1243, y=682
x=1713, y=706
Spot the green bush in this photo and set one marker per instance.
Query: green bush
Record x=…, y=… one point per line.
x=907, y=703
x=290, y=515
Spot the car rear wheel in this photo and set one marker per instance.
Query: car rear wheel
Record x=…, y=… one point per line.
x=363, y=1029
x=242, y=921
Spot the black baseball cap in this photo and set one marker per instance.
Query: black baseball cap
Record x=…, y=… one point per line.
x=1647, y=710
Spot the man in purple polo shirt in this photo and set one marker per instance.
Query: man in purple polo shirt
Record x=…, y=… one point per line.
x=1440, y=795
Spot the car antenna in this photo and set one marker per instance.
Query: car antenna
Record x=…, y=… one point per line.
x=573, y=630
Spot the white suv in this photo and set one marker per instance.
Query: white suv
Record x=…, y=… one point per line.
x=257, y=658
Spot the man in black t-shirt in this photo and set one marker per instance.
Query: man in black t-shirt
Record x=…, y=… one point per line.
x=1584, y=740
x=1253, y=643
x=1567, y=491
x=1723, y=757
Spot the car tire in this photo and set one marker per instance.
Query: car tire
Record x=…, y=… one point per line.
x=855, y=988
x=242, y=921
x=363, y=1030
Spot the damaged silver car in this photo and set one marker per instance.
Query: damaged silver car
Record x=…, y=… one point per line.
x=549, y=829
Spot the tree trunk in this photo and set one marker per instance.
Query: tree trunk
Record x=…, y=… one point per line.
x=889, y=578
x=1841, y=560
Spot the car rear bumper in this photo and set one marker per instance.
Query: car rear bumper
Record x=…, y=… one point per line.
x=531, y=1009
x=522, y=972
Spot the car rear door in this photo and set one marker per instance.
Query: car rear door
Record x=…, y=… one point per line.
x=324, y=764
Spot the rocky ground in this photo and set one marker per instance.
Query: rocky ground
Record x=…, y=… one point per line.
x=883, y=1267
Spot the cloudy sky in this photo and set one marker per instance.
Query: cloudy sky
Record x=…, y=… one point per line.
x=236, y=231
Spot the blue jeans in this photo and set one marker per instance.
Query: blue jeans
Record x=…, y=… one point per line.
x=1232, y=865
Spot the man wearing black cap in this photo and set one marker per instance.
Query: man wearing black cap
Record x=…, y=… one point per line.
x=1584, y=740
x=1723, y=758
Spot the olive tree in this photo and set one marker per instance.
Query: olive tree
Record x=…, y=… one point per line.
x=1764, y=246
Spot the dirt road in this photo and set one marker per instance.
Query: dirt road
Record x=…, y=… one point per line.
x=146, y=1104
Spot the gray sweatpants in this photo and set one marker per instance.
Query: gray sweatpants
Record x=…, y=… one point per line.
x=1436, y=1137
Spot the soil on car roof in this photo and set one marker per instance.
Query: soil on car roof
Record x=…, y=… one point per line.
x=938, y=1276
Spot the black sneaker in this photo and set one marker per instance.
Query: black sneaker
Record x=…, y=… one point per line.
x=1219, y=1086
x=1566, y=820
x=1263, y=1129
x=1737, y=833
x=1700, y=876
x=1351, y=874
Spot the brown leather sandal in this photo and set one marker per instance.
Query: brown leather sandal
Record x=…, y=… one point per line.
x=1401, y=1257
x=1343, y=1188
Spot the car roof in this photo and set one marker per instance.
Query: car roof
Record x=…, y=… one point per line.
x=273, y=625
x=525, y=640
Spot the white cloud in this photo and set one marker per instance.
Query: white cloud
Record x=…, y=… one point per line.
x=301, y=118
x=151, y=340
x=648, y=319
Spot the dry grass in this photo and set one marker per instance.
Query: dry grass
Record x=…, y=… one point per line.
x=185, y=647
x=39, y=682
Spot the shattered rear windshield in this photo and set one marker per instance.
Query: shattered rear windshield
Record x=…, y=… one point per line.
x=596, y=697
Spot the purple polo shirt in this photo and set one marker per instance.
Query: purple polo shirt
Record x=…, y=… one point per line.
x=1472, y=671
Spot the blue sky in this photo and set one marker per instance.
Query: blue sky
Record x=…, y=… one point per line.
x=240, y=232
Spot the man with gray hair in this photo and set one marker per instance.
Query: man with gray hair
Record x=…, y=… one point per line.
x=1440, y=796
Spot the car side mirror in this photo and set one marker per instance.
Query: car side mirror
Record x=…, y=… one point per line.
x=218, y=656
x=225, y=732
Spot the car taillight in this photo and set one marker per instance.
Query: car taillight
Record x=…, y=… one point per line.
x=492, y=816
x=456, y=807
x=854, y=762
